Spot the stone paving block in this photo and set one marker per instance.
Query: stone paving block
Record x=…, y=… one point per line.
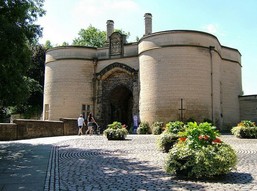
x=94, y=163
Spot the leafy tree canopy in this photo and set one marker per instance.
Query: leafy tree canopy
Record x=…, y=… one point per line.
x=48, y=44
x=34, y=103
x=93, y=37
x=17, y=34
x=90, y=37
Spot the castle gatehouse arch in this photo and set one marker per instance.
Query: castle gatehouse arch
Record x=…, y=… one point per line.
x=117, y=94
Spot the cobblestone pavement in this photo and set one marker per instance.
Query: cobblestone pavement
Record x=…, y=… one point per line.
x=94, y=163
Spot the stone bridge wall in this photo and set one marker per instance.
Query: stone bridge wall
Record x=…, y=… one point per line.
x=26, y=129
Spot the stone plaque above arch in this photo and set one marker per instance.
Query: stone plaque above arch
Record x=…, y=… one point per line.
x=116, y=44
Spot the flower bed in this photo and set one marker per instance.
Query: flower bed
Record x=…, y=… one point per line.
x=116, y=131
x=170, y=135
x=200, y=153
x=245, y=129
x=143, y=128
x=157, y=128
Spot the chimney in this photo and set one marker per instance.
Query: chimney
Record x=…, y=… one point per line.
x=110, y=29
x=148, y=23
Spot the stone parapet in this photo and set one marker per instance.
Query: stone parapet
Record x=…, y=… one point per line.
x=8, y=131
x=27, y=129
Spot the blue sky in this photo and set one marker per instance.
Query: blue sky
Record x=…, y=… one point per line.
x=233, y=22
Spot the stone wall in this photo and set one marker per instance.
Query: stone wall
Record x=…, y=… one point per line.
x=8, y=131
x=27, y=129
x=248, y=107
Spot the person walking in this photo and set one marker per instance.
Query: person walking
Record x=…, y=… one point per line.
x=81, y=122
x=91, y=123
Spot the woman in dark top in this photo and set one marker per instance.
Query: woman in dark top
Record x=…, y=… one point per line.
x=90, y=123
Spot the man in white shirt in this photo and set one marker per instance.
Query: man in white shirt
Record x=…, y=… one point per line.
x=80, y=124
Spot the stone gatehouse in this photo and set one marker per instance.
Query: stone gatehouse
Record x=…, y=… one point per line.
x=166, y=75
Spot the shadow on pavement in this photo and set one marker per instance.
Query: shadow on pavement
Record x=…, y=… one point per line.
x=23, y=166
x=110, y=170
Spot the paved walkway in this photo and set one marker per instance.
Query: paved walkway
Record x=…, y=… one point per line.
x=94, y=163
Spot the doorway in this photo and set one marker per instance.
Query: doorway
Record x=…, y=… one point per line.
x=120, y=105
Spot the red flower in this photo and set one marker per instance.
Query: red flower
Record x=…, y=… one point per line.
x=205, y=137
x=217, y=140
x=182, y=139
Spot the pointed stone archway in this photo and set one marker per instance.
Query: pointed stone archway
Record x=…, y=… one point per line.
x=117, y=94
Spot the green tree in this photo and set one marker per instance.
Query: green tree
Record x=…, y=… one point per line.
x=65, y=44
x=17, y=34
x=48, y=45
x=90, y=37
x=34, y=104
x=93, y=37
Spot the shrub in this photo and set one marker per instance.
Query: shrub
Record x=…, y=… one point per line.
x=200, y=153
x=191, y=119
x=170, y=135
x=166, y=141
x=157, y=128
x=245, y=129
x=207, y=161
x=143, y=128
x=115, y=131
x=174, y=127
x=199, y=135
x=208, y=120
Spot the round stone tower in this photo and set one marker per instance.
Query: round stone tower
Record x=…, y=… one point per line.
x=181, y=77
x=68, y=81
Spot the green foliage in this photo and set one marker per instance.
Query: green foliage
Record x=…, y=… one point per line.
x=207, y=120
x=170, y=135
x=48, y=45
x=174, y=127
x=166, y=140
x=17, y=33
x=245, y=129
x=143, y=128
x=207, y=161
x=199, y=135
x=200, y=153
x=127, y=34
x=115, y=131
x=91, y=36
x=157, y=127
x=65, y=44
x=35, y=81
x=94, y=37
x=191, y=119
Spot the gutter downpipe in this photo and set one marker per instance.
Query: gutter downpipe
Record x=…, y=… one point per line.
x=95, y=61
x=212, y=99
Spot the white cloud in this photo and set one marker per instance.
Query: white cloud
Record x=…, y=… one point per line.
x=211, y=28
